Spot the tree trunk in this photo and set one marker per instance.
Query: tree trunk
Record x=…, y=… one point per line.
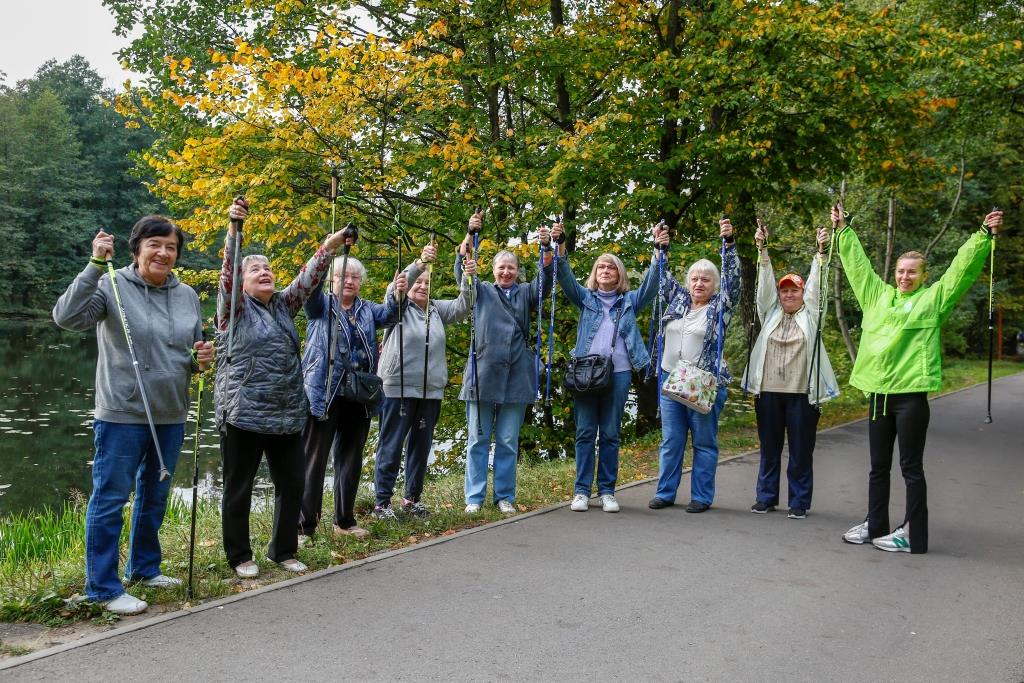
x=890, y=236
x=837, y=297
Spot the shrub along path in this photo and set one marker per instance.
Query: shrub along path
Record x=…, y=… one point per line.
x=665, y=595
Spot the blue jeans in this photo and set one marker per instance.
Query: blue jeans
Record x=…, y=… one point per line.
x=599, y=418
x=677, y=421
x=125, y=456
x=503, y=420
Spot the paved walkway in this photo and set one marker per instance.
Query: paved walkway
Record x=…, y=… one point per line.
x=664, y=595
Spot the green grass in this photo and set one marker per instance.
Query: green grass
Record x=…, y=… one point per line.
x=41, y=555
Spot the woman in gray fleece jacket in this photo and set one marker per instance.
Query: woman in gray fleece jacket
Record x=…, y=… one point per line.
x=421, y=399
x=164, y=318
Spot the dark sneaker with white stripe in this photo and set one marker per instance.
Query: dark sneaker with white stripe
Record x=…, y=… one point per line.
x=797, y=513
x=760, y=508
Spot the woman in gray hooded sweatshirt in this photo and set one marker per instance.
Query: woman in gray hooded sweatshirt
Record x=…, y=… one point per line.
x=412, y=404
x=166, y=326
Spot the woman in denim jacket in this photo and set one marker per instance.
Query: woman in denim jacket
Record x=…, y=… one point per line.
x=608, y=326
x=692, y=333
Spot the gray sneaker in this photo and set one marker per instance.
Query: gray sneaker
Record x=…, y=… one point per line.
x=580, y=503
x=858, y=535
x=415, y=508
x=384, y=514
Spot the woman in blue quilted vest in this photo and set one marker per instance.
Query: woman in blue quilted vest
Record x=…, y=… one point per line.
x=261, y=407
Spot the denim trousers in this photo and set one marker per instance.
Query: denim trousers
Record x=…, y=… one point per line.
x=790, y=418
x=677, y=423
x=903, y=418
x=598, y=423
x=413, y=432
x=501, y=420
x=125, y=456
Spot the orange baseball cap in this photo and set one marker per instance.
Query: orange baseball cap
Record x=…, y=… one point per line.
x=793, y=279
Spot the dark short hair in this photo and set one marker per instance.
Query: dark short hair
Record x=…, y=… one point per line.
x=154, y=226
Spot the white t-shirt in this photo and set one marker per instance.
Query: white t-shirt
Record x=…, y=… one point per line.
x=684, y=338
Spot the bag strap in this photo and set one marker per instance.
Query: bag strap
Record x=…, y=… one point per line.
x=512, y=312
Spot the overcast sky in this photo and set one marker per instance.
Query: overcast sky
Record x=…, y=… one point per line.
x=33, y=31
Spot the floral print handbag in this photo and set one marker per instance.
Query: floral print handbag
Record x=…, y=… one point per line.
x=691, y=386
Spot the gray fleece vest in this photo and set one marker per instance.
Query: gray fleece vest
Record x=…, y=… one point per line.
x=259, y=388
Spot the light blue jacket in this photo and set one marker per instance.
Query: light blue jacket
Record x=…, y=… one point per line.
x=592, y=313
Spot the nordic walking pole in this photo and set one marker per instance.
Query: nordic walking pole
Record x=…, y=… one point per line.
x=164, y=474
x=815, y=369
x=551, y=323
x=235, y=275
x=195, y=482
x=350, y=232
x=474, y=231
x=991, y=312
x=331, y=314
x=401, y=337
x=540, y=320
x=753, y=308
x=426, y=334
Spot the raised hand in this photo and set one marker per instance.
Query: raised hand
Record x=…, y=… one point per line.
x=993, y=221
x=238, y=211
x=429, y=254
x=822, y=239
x=103, y=246
x=838, y=216
x=725, y=229
x=761, y=234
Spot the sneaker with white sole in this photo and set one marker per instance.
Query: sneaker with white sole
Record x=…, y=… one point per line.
x=293, y=565
x=580, y=503
x=415, y=508
x=161, y=581
x=797, y=513
x=858, y=535
x=609, y=504
x=125, y=605
x=896, y=542
x=247, y=570
x=472, y=508
x=506, y=507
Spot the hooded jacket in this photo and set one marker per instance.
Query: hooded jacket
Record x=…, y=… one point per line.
x=442, y=312
x=822, y=380
x=901, y=342
x=164, y=322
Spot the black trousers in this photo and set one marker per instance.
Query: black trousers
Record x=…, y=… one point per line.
x=902, y=417
x=414, y=432
x=782, y=417
x=344, y=434
x=241, y=452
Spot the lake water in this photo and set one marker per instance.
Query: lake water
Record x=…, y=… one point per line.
x=46, y=404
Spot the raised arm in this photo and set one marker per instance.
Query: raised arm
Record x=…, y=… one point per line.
x=312, y=274
x=457, y=309
x=574, y=291
x=962, y=272
x=812, y=290
x=864, y=282
x=84, y=304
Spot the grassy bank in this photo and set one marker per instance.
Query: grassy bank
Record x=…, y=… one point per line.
x=41, y=555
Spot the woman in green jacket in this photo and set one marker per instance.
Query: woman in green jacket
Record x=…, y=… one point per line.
x=899, y=362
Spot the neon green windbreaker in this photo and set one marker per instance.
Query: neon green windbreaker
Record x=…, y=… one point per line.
x=901, y=346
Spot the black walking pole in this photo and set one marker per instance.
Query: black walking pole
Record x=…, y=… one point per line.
x=401, y=338
x=475, y=232
x=991, y=318
x=540, y=317
x=551, y=323
x=815, y=369
x=236, y=286
x=350, y=232
x=426, y=334
x=753, y=307
x=331, y=315
x=195, y=481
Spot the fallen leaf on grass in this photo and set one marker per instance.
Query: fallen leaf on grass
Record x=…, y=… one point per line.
x=208, y=543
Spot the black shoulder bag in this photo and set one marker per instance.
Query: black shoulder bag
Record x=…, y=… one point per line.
x=591, y=374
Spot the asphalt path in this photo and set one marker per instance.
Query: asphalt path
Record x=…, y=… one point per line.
x=657, y=595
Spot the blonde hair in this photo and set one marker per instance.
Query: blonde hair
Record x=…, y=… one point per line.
x=704, y=266
x=622, y=286
x=915, y=255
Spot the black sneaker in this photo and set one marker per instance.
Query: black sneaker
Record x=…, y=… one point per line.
x=697, y=506
x=659, y=503
x=797, y=513
x=760, y=508
x=385, y=514
x=415, y=508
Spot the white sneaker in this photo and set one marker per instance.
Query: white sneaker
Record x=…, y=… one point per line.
x=580, y=503
x=896, y=542
x=293, y=565
x=608, y=503
x=161, y=581
x=247, y=570
x=125, y=605
x=505, y=507
x=858, y=535
x=472, y=508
